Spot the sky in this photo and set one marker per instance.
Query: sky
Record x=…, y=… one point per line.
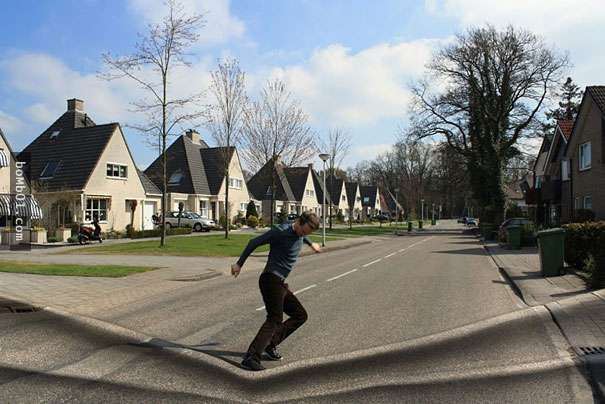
x=349, y=63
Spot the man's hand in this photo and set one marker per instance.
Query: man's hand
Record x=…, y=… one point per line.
x=235, y=270
x=316, y=247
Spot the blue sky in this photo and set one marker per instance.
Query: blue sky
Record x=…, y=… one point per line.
x=348, y=62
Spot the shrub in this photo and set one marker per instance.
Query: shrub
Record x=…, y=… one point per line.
x=251, y=210
x=52, y=239
x=75, y=229
x=252, y=221
x=513, y=210
x=583, y=239
x=583, y=215
x=157, y=232
x=72, y=239
x=340, y=217
x=129, y=230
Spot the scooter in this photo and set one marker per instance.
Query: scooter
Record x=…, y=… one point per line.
x=86, y=234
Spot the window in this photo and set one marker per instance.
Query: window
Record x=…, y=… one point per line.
x=309, y=192
x=204, y=208
x=54, y=135
x=344, y=198
x=116, y=170
x=577, y=203
x=565, y=170
x=50, y=169
x=175, y=178
x=588, y=202
x=96, y=206
x=243, y=206
x=236, y=183
x=366, y=199
x=585, y=156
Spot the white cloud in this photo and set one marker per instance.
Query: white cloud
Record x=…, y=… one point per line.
x=341, y=88
x=220, y=26
x=9, y=124
x=577, y=26
x=41, y=113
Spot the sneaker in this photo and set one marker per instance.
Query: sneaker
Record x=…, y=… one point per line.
x=273, y=353
x=249, y=363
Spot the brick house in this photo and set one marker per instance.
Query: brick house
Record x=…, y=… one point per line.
x=583, y=163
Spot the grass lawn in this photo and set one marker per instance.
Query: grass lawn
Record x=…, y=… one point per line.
x=109, y=271
x=207, y=246
x=360, y=231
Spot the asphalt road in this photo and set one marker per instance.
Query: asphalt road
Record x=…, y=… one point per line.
x=404, y=319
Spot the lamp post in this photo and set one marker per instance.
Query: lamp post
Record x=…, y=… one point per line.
x=396, y=207
x=324, y=157
x=422, y=209
x=433, y=218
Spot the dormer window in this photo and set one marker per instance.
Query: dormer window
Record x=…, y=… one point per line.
x=50, y=169
x=175, y=178
x=55, y=134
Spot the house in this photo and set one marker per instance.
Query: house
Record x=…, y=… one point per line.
x=196, y=177
x=296, y=189
x=338, y=192
x=389, y=204
x=79, y=170
x=17, y=204
x=354, y=199
x=583, y=163
x=370, y=201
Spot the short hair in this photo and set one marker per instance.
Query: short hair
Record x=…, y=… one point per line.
x=309, y=218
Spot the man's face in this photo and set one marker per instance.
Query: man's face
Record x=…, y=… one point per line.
x=303, y=230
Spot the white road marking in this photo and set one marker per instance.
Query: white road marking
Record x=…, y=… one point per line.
x=373, y=262
x=298, y=291
x=303, y=289
x=341, y=275
x=390, y=255
x=403, y=249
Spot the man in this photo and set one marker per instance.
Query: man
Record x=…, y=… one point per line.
x=285, y=241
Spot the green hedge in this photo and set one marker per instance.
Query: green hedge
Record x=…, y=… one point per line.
x=585, y=249
x=158, y=232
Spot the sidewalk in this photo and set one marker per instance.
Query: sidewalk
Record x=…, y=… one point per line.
x=578, y=311
x=87, y=295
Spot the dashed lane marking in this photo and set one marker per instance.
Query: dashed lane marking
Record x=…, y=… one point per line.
x=341, y=275
x=373, y=262
x=297, y=292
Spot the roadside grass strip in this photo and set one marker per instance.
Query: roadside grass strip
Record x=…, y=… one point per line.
x=106, y=271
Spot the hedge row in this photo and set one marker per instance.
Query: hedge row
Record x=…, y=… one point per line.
x=585, y=249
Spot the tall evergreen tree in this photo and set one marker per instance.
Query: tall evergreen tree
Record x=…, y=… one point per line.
x=569, y=97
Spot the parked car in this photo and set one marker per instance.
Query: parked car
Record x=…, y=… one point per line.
x=381, y=218
x=462, y=220
x=514, y=221
x=292, y=216
x=196, y=221
x=471, y=221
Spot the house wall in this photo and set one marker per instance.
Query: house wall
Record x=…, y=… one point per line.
x=236, y=196
x=120, y=190
x=309, y=203
x=5, y=171
x=590, y=182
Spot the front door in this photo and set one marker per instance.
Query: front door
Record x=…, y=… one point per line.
x=213, y=210
x=148, y=211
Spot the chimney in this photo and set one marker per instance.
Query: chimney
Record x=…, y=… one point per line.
x=193, y=135
x=75, y=105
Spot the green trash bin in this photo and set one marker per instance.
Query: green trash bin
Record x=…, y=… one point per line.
x=420, y=224
x=513, y=237
x=433, y=222
x=409, y=226
x=551, y=245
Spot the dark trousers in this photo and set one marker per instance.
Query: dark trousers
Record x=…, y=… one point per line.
x=278, y=300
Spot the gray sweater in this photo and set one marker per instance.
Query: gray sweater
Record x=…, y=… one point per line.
x=284, y=247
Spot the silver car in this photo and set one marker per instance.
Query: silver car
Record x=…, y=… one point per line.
x=196, y=221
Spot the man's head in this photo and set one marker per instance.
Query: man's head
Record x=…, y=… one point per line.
x=307, y=223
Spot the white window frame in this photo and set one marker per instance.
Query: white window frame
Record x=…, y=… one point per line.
x=204, y=209
x=586, y=205
x=119, y=168
x=584, y=165
x=243, y=206
x=236, y=183
x=95, y=207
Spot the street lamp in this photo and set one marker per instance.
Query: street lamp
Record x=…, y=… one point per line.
x=324, y=157
x=422, y=210
x=433, y=218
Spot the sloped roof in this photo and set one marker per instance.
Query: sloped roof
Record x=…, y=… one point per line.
x=334, y=186
x=260, y=183
x=148, y=185
x=388, y=201
x=297, y=178
x=598, y=95
x=566, y=126
x=319, y=191
x=214, y=164
x=368, y=191
x=351, y=188
x=77, y=147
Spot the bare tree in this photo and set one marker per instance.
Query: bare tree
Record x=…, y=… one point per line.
x=276, y=125
x=495, y=83
x=337, y=145
x=225, y=116
x=157, y=54
x=276, y=129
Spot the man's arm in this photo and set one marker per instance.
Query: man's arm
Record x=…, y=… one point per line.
x=264, y=238
x=314, y=246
